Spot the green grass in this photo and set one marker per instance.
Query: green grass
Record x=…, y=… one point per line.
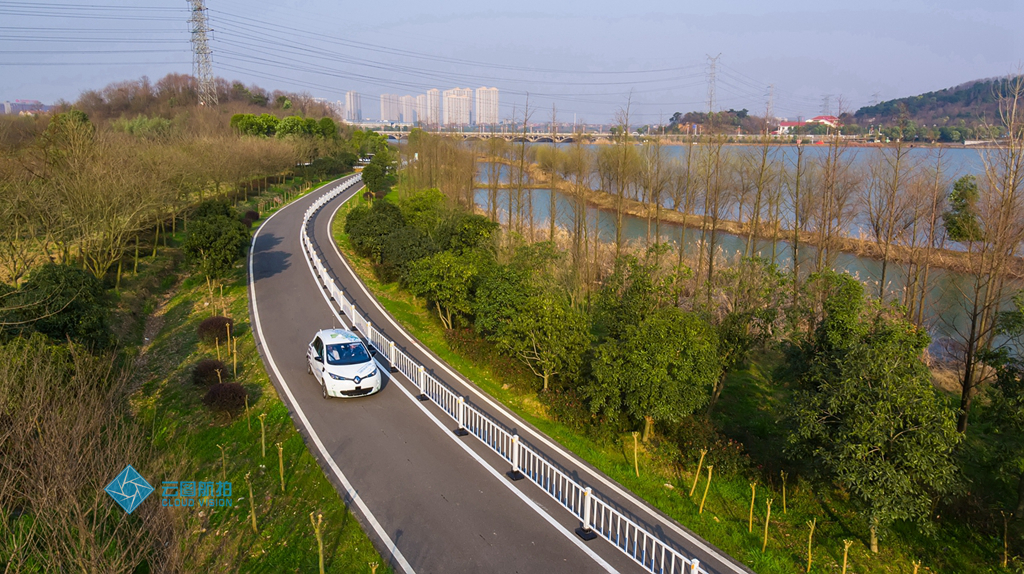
x=747, y=448
x=185, y=436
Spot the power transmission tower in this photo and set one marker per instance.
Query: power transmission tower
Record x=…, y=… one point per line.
x=202, y=68
x=769, y=113
x=826, y=107
x=874, y=98
x=712, y=70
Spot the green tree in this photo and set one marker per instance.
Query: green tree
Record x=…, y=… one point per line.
x=546, y=334
x=445, y=280
x=378, y=175
x=214, y=244
x=660, y=370
x=962, y=218
x=1006, y=402
x=869, y=416
x=368, y=228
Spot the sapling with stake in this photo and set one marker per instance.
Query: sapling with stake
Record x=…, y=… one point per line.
x=252, y=503
x=706, y=488
x=916, y=566
x=750, y=521
x=223, y=464
x=263, y=435
x=1006, y=548
x=810, y=541
x=696, y=475
x=373, y=567
x=846, y=552
x=280, y=463
x=636, y=453
x=317, y=530
x=784, y=476
x=767, y=518
x=248, y=423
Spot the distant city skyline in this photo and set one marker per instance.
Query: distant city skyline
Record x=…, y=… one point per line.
x=586, y=59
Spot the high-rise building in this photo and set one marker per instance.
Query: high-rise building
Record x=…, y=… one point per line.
x=421, y=109
x=390, y=108
x=353, y=107
x=433, y=107
x=408, y=110
x=486, y=106
x=458, y=106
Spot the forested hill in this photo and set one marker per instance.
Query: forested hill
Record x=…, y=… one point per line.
x=968, y=104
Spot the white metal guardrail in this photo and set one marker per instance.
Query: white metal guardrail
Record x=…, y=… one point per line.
x=597, y=516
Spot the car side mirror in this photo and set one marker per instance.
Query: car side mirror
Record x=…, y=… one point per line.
x=317, y=359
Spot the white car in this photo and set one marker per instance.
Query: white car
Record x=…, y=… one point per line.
x=342, y=364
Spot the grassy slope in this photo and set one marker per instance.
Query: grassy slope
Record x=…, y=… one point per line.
x=186, y=435
x=745, y=411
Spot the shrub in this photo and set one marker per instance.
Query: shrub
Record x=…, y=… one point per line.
x=368, y=230
x=204, y=373
x=64, y=302
x=227, y=397
x=214, y=244
x=251, y=215
x=214, y=329
x=213, y=208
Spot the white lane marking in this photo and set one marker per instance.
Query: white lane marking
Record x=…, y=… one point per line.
x=358, y=500
x=525, y=428
x=448, y=433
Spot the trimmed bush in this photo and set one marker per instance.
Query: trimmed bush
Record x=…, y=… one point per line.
x=204, y=373
x=214, y=329
x=227, y=397
x=213, y=208
x=251, y=215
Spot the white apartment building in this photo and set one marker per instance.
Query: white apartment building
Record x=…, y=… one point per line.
x=486, y=106
x=353, y=107
x=458, y=105
x=408, y=110
x=390, y=108
x=421, y=109
x=433, y=107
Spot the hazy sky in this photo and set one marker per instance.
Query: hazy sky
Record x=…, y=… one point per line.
x=588, y=58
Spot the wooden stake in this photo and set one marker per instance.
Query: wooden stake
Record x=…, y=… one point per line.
x=916, y=566
x=810, y=540
x=135, y=268
x=750, y=521
x=219, y=379
x=706, y=488
x=696, y=476
x=217, y=341
x=767, y=517
x=846, y=552
x=248, y=423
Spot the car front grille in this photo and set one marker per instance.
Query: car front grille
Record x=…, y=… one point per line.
x=357, y=392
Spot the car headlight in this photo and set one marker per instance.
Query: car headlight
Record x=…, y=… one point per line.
x=371, y=374
x=336, y=377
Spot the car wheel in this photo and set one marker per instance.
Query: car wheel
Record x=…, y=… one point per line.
x=309, y=369
x=323, y=388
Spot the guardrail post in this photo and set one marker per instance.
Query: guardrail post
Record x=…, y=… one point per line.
x=461, y=412
x=421, y=381
x=514, y=474
x=391, y=356
x=694, y=566
x=585, y=532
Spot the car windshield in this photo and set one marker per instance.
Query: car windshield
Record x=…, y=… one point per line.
x=347, y=354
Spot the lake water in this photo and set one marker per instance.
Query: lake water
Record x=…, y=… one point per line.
x=943, y=313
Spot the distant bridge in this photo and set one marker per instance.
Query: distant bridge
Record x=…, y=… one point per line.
x=528, y=137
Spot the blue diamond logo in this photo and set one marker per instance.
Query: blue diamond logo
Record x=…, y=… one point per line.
x=129, y=489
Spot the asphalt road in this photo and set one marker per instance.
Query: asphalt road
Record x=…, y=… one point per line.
x=430, y=501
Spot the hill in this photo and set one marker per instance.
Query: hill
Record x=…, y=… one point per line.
x=967, y=105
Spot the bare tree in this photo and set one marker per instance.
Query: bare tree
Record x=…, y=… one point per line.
x=887, y=201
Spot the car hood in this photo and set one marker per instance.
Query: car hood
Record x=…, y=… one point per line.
x=360, y=370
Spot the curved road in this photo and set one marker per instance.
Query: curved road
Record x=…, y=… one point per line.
x=430, y=500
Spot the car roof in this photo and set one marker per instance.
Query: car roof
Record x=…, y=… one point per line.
x=338, y=336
